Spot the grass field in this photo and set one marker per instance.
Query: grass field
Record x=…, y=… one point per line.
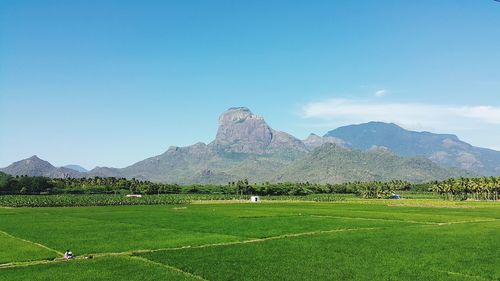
x=417, y=239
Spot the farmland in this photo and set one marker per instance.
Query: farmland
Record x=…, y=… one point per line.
x=351, y=239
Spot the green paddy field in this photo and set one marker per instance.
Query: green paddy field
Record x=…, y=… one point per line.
x=413, y=239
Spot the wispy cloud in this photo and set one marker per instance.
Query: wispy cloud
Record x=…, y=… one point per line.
x=410, y=115
x=380, y=93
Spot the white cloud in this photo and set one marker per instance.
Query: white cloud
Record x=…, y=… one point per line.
x=380, y=93
x=419, y=116
x=487, y=114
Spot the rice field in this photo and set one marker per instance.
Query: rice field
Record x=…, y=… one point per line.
x=413, y=239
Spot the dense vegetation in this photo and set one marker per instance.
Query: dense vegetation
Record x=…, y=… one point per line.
x=486, y=188
x=80, y=200
x=71, y=200
x=24, y=184
x=42, y=185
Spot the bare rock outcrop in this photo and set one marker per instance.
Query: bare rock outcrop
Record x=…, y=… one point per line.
x=241, y=131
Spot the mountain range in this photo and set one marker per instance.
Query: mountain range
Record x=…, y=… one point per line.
x=443, y=149
x=246, y=147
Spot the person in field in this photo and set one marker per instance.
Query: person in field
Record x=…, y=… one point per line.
x=68, y=255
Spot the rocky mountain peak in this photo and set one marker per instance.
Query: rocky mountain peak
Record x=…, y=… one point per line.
x=237, y=115
x=242, y=131
x=36, y=162
x=33, y=159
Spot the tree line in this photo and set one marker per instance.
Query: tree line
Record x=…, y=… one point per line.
x=485, y=188
x=97, y=185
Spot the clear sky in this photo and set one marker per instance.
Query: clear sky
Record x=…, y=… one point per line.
x=109, y=83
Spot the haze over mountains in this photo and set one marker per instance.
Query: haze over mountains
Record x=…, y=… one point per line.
x=246, y=147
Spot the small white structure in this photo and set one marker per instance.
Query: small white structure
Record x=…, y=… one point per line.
x=134, y=195
x=255, y=199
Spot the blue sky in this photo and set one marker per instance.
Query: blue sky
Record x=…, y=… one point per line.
x=109, y=83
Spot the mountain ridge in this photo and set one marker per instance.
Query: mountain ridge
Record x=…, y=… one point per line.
x=444, y=149
x=331, y=163
x=245, y=146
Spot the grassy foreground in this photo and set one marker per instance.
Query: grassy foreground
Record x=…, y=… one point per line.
x=418, y=239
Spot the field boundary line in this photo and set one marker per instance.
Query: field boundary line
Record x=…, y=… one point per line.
x=133, y=253
x=31, y=242
x=376, y=219
x=464, y=222
x=464, y=275
x=169, y=267
x=29, y=263
x=258, y=240
x=254, y=240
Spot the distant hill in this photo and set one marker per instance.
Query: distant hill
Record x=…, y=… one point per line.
x=77, y=168
x=444, y=149
x=35, y=166
x=104, y=172
x=315, y=141
x=331, y=163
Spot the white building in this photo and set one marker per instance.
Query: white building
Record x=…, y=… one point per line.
x=255, y=199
